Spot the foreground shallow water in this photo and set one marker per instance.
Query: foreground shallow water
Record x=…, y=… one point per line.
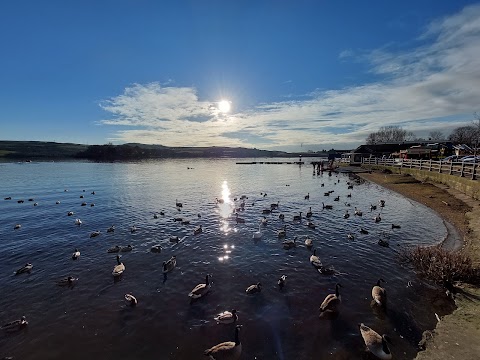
x=91, y=319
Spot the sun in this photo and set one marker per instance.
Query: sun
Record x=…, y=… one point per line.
x=224, y=106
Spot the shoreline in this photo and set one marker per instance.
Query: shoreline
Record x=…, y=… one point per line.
x=453, y=337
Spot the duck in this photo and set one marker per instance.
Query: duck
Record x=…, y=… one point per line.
x=328, y=207
x=119, y=268
x=282, y=281
x=309, y=212
x=346, y=215
x=185, y=222
x=201, y=289
x=68, y=281
x=24, y=269
x=332, y=301
x=375, y=343
x=93, y=193
x=126, y=248
x=131, y=300
x=111, y=229
x=76, y=254
x=377, y=218
x=83, y=204
x=94, y=234
x=114, y=249
x=315, y=260
x=326, y=193
x=290, y=244
x=156, y=249
x=170, y=264
x=228, y=350
x=178, y=204
x=350, y=236
x=358, y=212
x=198, y=230
x=155, y=216
x=133, y=229
x=17, y=226
x=15, y=325
x=57, y=202
x=307, y=197
x=297, y=217
x=174, y=239
x=395, y=226
x=258, y=234
x=282, y=232
x=379, y=294
x=78, y=222
x=308, y=242
x=70, y=213
x=226, y=317
x=255, y=288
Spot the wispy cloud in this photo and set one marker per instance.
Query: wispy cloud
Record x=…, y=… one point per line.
x=433, y=86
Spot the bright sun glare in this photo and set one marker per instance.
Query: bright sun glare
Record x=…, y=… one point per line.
x=224, y=106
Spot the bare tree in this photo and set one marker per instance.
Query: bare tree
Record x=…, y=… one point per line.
x=389, y=134
x=476, y=133
x=463, y=135
x=436, y=135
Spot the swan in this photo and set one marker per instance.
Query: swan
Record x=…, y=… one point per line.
x=328, y=207
x=24, y=269
x=258, y=234
x=332, y=301
x=94, y=234
x=282, y=281
x=229, y=350
x=170, y=264
x=200, y=290
x=114, y=249
x=119, y=268
x=15, y=325
x=68, y=281
x=111, y=229
x=315, y=260
x=289, y=244
x=252, y=289
x=226, y=317
x=282, y=232
x=78, y=222
x=375, y=343
x=308, y=242
x=198, y=230
x=358, y=212
x=76, y=254
x=379, y=294
x=131, y=300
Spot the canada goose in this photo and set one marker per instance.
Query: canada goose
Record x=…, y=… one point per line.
x=252, y=289
x=24, y=269
x=111, y=229
x=185, y=222
x=170, y=264
x=94, y=234
x=379, y=294
x=114, y=249
x=282, y=281
x=297, y=217
x=358, y=212
x=35, y=204
x=93, y=193
x=349, y=195
x=81, y=196
x=226, y=317
x=373, y=207
x=266, y=211
x=337, y=198
x=282, y=232
x=377, y=218
x=382, y=203
x=131, y=300
x=315, y=260
x=346, y=215
x=70, y=213
x=57, y=202
x=174, y=239
x=76, y=254
x=8, y=198
x=229, y=350
x=119, y=268
x=179, y=219
x=15, y=325
x=258, y=234
x=264, y=221
x=200, y=290
x=78, y=222
x=156, y=249
x=281, y=216
x=308, y=242
x=327, y=193
x=290, y=244
x=347, y=203
x=155, y=216
x=332, y=301
x=68, y=281
x=178, y=204
x=375, y=343
x=328, y=207
x=383, y=243
x=274, y=205
x=17, y=226
x=307, y=197
x=350, y=236
x=309, y=212
x=363, y=231
x=311, y=225
x=133, y=229
x=126, y=248
x=20, y=201
x=198, y=230
x=239, y=220
x=395, y=226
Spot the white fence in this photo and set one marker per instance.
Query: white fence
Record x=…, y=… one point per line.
x=463, y=169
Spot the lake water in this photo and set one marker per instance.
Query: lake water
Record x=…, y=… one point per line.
x=91, y=320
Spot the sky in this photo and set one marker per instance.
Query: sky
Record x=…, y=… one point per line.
x=296, y=75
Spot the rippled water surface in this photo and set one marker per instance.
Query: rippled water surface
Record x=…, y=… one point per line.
x=91, y=320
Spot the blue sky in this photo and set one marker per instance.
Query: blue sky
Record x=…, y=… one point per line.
x=298, y=74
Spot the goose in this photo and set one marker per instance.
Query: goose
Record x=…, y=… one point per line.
x=178, y=204
x=328, y=207
x=255, y=288
x=297, y=217
x=81, y=196
x=377, y=218
x=162, y=213
x=239, y=220
x=281, y=217
x=76, y=254
x=68, y=281
x=94, y=234
x=347, y=204
x=179, y=219
x=15, y=325
x=315, y=260
x=219, y=201
x=307, y=197
x=170, y=264
x=93, y=193
x=119, y=268
x=350, y=236
x=156, y=249
x=174, y=239
x=264, y=221
x=8, y=198
x=198, y=230
x=78, y=222
x=226, y=317
x=309, y=212
x=57, y=202
x=266, y=211
x=311, y=225
x=155, y=216
x=111, y=229
x=274, y=205
x=228, y=350
x=350, y=187
x=35, y=204
x=346, y=215
x=126, y=248
x=20, y=201
x=322, y=184
x=131, y=300
x=383, y=243
x=70, y=213
x=258, y=234
x=373, y=207
x=17, y=226
x=382, y=203
x=200, y=290
x=185, y=222
x=375, y=343
x=349, y=195
x=282, y=281
x=379, y=294
x=327, y=193
x=83, y=204
x=308, y=242
x=24, y=269
x=363, y=231
x=289, y=244
x=282, y=232
x=358, y=212
x=332, y=301
x=114, y=249
x=337, y=198
x=395, y=226
x=133, y=229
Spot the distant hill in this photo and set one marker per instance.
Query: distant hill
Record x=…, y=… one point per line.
x=39, y=150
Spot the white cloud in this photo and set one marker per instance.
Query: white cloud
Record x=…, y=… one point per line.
x=437, y=79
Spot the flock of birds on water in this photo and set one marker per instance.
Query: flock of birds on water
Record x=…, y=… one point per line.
x=329, y=309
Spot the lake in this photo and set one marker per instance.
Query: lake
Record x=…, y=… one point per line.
x=91, y=319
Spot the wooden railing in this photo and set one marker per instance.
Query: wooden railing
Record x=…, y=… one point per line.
x=463, y=169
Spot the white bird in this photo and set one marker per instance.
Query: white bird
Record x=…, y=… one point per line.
x=226, y=317
x=379, y=294
x=78, y=222
x=131, y=300
x=76, y=254
x=375, y=343
x=170, y=264
x=200, y=290
x=229, y=350
x=258, y=234
x=119, y=268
